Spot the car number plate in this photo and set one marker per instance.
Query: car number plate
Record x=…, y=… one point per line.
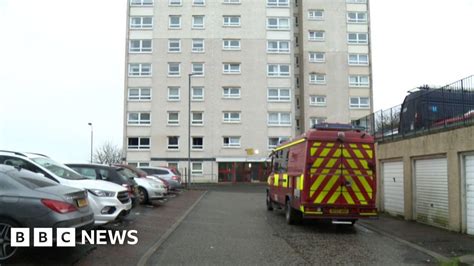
x=339, y=211
x=82, y=203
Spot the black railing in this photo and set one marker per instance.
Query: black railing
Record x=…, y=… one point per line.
x=424, y=110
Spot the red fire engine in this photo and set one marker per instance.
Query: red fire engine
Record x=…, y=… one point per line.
x=326, y=173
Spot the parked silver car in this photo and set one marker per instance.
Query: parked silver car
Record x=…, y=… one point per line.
x=30, y=200
x=172, y=176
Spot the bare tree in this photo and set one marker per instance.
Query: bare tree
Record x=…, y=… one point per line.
x=108, y=153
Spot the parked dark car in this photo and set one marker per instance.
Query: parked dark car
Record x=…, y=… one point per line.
x=107, y=173
x=30, y=200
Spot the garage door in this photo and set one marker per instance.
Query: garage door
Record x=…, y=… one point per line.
x=469, y=170
x=431, y=192
x=393, y=196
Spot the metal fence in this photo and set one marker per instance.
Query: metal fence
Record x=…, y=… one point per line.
x=425, y=109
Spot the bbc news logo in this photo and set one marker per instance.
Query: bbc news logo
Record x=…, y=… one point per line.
x=66, y=237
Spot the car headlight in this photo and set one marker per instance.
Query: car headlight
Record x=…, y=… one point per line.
x=101, y=193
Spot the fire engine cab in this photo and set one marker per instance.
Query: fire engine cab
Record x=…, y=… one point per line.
x=326, y=173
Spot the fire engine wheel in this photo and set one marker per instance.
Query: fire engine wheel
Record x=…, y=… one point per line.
x=292, y=216
x=269, y=203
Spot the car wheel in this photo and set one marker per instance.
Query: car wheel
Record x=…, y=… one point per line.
x=269, y=202
x=292, y=216
x=142, y=195
x=6, y=250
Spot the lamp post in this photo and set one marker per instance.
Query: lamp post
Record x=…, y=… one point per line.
x=189, y=127
x=92, y=139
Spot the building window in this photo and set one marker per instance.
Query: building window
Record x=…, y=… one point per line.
x=273, y=142
x=278, y=70
x=278, y=23
x=316, y=35
x=137, y=118
x=317, y=100
x=139, y=70
x=279, y=119
x=175, y=3
x=173, y=94
x=197, y=143
x=359, y=102
x=316, y=121
x=317, y=57
x=173, y=143
x=174, y=45
x=278, y=46
x=231, y=2
x=231, y=68
x=139, y=164
x=139, y=94
x=197, y=118
x=358, y=81
x=198, y=22
x=173, y=165
x=197, y=94
x=198, y=2
x=173, y=118
x=232, y=21
x=231, y=44
x=356, y=17
x=316, y=78
x=141, y=23
x=198, y=46
x=174, y=69
x=197, y=69
x=316, y=14
x=357, y=38
x=358, y=59
x=278, y=3
x=174, y=22
x=278, y=95
x=231, y=93
x=140, y=46
x=196, y=168
x=231, y=142
x=138, y=143
x=231, y=117
x=141, y=2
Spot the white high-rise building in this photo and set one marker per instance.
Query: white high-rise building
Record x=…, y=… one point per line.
x=263, y=72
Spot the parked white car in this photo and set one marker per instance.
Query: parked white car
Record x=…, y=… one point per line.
x=108, y=201
x=148, y=189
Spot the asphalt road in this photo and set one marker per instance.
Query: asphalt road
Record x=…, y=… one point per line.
x=231, y=226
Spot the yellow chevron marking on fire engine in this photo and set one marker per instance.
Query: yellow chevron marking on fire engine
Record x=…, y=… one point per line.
x=364, y=182
x=317, y=162
x=346, y=153
x=275, y=179
x=347, y=196
x=359, y=195
x=334, y=196
x=316, y=144
x=358, y=153
x=325, y=171
x=354, y=146
x=326, y=189
x=352, y=164
x=331, y=163
x=364, y=164
x=370, y=153
x=337, y=153
x=325, y=152
x=302, y=209
x=366, y=146
x=313, y=151
x=316, y=184
x=330, y=145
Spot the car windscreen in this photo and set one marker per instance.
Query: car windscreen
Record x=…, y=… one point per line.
x=126, y=173
x=58, y=169
x=29, y=179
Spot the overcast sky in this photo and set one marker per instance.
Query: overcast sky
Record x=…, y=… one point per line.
x=62, y=65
